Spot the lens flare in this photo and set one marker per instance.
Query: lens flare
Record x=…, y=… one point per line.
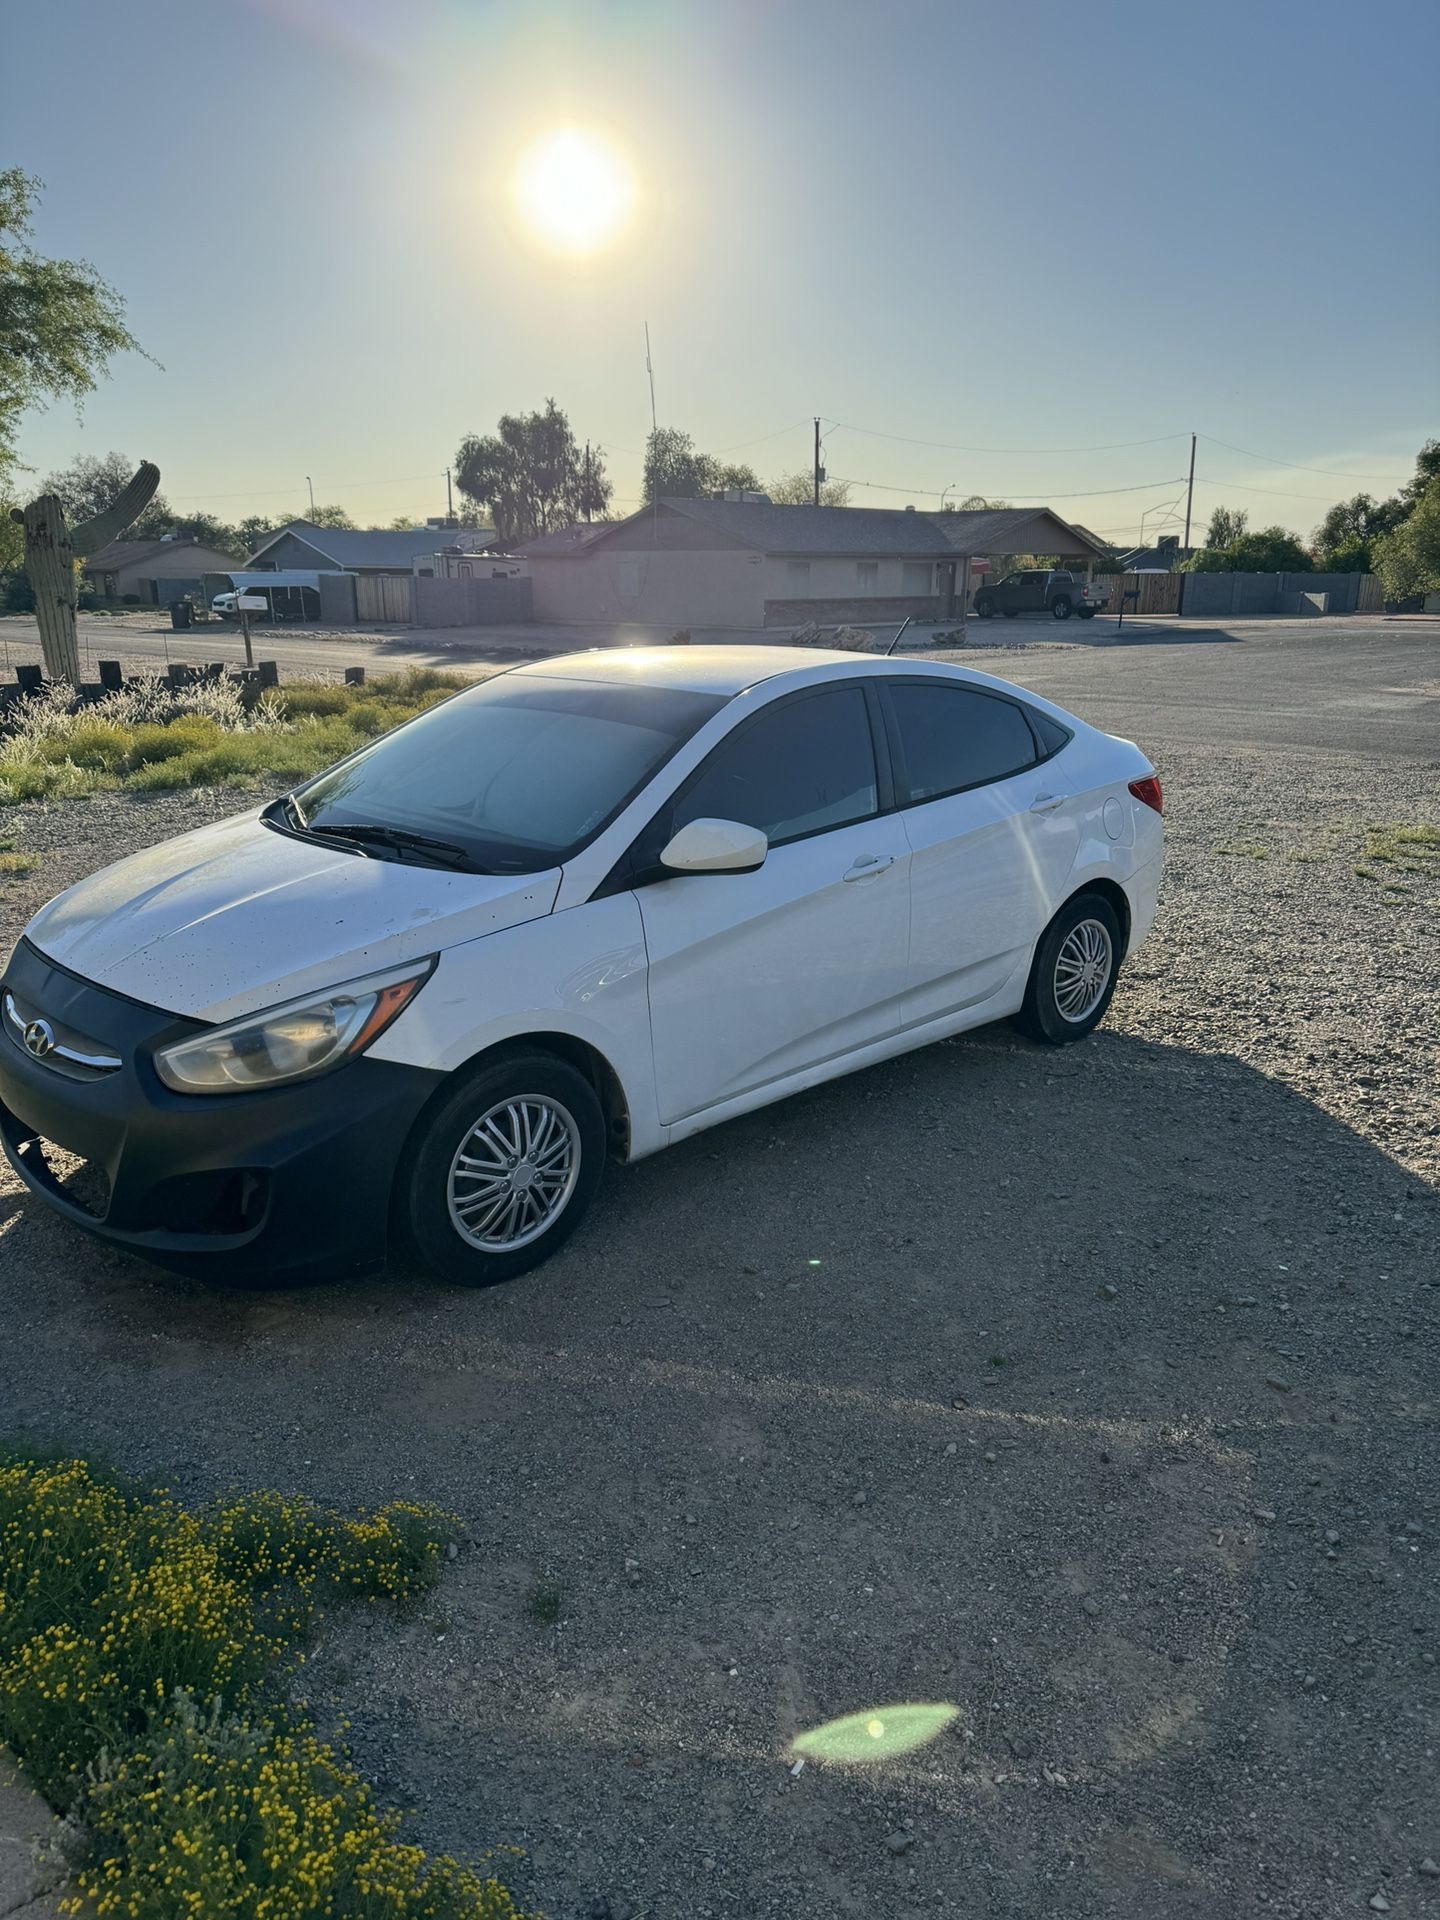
x=879, y=1733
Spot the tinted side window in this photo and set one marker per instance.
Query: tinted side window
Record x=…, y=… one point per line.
x=1052, y=735
x=808, y=766
x=952, y=737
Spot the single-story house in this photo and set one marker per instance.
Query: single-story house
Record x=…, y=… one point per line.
x=750, y=563
x=360, y=550
x=158, y=571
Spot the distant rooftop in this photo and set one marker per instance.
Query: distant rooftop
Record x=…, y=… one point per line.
x=378, y=547
x=881, y=531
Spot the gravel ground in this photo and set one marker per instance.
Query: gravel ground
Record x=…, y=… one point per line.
x=1092, y=1392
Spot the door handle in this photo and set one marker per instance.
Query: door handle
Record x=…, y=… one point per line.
x=1048, y=802
x=868, y=864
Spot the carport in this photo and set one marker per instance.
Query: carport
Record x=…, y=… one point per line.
x=300, y=590
x=976, y=538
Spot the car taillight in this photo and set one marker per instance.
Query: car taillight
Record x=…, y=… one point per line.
x=1148, y=791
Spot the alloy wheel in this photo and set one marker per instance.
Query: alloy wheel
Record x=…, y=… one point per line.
x=514, y=1172
x=1082, y=970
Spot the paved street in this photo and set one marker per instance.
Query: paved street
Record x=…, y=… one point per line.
x=1368, y=684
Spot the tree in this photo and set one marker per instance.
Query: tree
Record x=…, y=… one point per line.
x=1271, y=550
x=532, y=474
x=798, y=490
x=1343, y=538
x=60, y=323
x=977, y=503
x=1227, y=524
x=1408, y=558
x=1427, y=470
x=676, y=470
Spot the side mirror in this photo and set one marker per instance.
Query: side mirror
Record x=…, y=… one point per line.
x=715, y=846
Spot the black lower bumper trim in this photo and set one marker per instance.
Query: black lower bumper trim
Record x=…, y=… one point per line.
x=288, y=1182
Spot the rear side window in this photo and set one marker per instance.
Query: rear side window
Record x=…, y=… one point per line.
x=1052, y=735
x=953, y=737
x=806, y=767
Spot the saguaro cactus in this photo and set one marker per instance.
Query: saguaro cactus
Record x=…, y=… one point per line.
x=50, y=550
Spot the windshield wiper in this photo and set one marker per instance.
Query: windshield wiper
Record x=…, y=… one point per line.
x=443, y=852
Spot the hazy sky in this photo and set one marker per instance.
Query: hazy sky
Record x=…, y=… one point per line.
x=1019, y=230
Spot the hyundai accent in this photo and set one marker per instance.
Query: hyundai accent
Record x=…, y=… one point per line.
x=578, y=912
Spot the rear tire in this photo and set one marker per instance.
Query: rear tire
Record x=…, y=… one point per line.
x=1073, y=974
x=1086, y=613
x=502, y=1171
x=1061, y=607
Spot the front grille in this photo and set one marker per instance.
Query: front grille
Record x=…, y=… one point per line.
x=54, y=1045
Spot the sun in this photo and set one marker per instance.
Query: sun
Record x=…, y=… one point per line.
x=573, y=191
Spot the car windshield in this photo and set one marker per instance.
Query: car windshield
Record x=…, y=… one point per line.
x=512, y=777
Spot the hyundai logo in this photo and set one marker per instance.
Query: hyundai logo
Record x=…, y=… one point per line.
x=39, y=1038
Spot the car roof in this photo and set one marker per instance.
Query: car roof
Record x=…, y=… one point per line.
x=695, y=669
x=731, y=670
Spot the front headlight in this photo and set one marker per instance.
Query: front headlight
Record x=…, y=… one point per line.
x=291, y=1041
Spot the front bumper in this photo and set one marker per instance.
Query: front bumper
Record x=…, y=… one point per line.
x=285, y=1184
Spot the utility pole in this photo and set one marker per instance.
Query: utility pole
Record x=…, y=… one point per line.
x=449, y=501
x=651, y=371
x=1190, y=491
x=586, y=493
x=311, y=485
x=818, y=469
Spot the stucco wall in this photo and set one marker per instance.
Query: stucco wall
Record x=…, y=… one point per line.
x=872, y=611
x=836, y=579
x=719, y=588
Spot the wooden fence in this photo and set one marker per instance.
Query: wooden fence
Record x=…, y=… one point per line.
x=1158, y=592
x=383, y=598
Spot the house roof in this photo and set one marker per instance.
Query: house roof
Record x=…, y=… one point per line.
x=370, y=547
x=881, y=531
x=129, y=553
x=568, y=540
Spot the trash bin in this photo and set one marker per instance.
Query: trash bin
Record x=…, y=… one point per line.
x=182, y=614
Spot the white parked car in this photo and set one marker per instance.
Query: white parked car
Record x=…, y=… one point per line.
x=584, y=909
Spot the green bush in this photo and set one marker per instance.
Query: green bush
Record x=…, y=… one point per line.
x=151, y=739
x=143, y=1649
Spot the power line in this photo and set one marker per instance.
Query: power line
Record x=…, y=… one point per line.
x=1278, y=493
x=760, y=438
x=955, y=446
x=247, y=493
x=1334, y=473
x=1089, y=493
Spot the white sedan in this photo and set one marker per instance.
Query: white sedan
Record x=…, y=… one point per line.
x=585, y=909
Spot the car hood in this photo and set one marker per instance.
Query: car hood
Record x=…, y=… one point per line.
x=237, y=916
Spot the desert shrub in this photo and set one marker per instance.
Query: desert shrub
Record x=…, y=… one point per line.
x=144, y=1647
x=151, y=737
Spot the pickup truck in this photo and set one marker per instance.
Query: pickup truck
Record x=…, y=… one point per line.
x=1036, y=591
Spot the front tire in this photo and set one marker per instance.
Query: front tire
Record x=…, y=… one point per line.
x=1073, y=974
x=984, y=608
x=503, y=1170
